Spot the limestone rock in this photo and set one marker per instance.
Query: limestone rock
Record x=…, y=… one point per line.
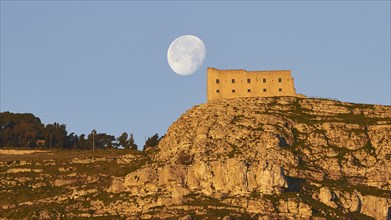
x=62, y=182
x=116, y=186
x=343, y=135
x=376, y=207
x=186, y=217
x=294, y=208
x=258, y=158
x=18, y=170
x=327, y=197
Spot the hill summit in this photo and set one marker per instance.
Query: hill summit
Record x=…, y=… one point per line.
x=281, y=157
x=246, y=158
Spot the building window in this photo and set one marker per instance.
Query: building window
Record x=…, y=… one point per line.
x=233, y=91
x=280, y=89
x=248, y=80
x=264, y=80
x=279, y=80
x=233, y=80
x=248, y=90
x=217, y=91
x=264, y=90
x=217, y=81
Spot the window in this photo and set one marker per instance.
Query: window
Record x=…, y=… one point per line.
x=264, y=90
x=233, y=80
x=264, y=80
x=217, y=91
x=248, y=80
x=280, y=89
x=233, y=91
x=248, y=90
x=279, y=80
x=217, y=81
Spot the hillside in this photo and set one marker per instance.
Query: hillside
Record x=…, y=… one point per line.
x=250, y=158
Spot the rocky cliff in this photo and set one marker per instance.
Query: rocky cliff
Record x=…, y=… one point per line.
x=258, y=158
x=273, y=158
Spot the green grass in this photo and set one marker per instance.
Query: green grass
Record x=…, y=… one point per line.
x=32, y=212
x=198, y=200
x=64, y=155
x=20, y=194
x=101, y=171
x=363, y=189
x=258, y=129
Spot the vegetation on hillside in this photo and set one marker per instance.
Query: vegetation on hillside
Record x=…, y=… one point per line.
x=21, y=130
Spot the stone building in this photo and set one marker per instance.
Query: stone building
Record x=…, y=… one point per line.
x=226, y=84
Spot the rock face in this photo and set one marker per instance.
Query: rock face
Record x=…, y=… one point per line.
x=283, y=154
x=254, y=158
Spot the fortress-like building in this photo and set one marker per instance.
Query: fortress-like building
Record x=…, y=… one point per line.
x=227, y=84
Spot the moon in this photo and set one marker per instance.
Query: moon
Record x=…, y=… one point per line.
x=186, y=54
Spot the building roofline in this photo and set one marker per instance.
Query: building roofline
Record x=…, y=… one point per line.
x=249, y=71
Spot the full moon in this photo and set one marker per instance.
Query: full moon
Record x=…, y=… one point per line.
x=186, y=54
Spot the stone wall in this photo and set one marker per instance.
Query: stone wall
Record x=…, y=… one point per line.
x=226, y=84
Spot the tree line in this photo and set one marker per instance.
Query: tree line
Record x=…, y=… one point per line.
x=19, y=130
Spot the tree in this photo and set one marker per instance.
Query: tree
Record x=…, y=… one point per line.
x=102, y=141
x=108, y=141
x=55, y=135
x=152, y=142
x=71, y=140
x=19, y=130
x=81, y=142
x=127, y=143
x=132, y=143
x=123, y=140
x=26, y=130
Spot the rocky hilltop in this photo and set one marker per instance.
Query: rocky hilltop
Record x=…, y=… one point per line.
x=250, y=158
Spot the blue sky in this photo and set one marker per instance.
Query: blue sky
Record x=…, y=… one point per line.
x=102, y=64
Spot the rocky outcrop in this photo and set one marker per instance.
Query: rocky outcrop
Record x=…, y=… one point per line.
x=215, y=177
x=252, y=158
x=354, y=201
x=321, y=149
